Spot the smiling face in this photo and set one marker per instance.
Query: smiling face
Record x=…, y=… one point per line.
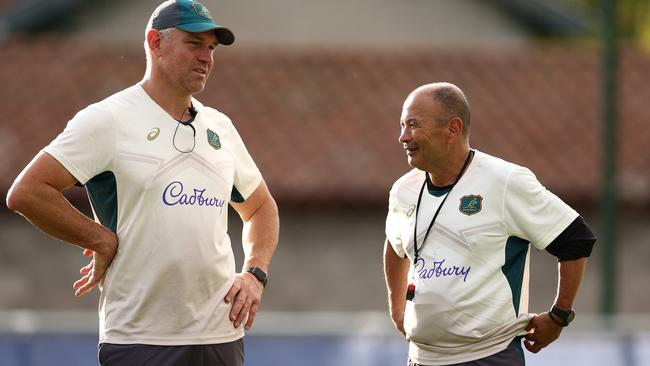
x=186, y=59
x=423, y=130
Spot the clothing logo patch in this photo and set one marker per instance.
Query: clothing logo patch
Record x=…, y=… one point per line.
x=213, y=139
x=470, y=205
x=409, y=213
x=153, y=134
x=201, y=10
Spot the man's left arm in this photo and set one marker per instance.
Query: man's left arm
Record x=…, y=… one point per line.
x=571, y=247
x=259, y=214
x=543, y=330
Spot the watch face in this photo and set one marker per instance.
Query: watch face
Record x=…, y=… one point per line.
x=566, y=316
x=570, y=316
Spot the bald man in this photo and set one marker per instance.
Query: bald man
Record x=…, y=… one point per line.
x=458, y=233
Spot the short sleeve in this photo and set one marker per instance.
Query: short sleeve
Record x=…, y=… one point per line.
x=86, y=146
x=532, y=212
x=395, y=221
x=247, y=176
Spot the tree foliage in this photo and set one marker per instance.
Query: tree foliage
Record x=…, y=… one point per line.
x=633, y=18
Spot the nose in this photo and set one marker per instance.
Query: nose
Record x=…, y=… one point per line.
x=404, y=136
x=205, y=55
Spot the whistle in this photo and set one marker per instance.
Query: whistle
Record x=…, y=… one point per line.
x=410, y=292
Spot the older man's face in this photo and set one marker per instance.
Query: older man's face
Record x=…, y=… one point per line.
x=187, y=59
x=422, y=133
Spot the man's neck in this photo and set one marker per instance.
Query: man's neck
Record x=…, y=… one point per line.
x=175, y=105
x=446, y=172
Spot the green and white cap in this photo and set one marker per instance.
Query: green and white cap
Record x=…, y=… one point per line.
x=190, y=16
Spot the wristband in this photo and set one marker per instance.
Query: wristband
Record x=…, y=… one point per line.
x=259, y=274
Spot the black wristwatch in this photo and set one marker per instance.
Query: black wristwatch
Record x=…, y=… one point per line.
x=562, y=317
x=258, y=273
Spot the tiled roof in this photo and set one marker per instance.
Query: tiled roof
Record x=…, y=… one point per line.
x=322, y=124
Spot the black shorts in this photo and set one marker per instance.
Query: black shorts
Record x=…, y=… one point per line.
x=224, y=354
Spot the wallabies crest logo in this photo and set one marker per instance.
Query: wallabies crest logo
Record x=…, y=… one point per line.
x=213, y=139
x=201, y=10
x=470, y=205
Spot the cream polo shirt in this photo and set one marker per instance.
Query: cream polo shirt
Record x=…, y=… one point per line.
x=174, y=262
x=471, y=279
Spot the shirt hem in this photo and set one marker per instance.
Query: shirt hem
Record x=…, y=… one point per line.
x=172, y=342
x=63, y=160
x=469, y=352
x=468, y=358
x=566, y=221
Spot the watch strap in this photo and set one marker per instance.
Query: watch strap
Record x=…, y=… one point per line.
x=259, y=274
x=560, y=316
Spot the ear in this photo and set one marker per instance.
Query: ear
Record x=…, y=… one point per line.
x=455, y=128
x=154, y=40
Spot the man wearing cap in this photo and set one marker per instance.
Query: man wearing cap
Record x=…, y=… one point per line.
x=160, y=168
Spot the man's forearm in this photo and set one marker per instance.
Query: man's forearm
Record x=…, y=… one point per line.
x=570, y=277
x=395, y=272
x=260, y=236
x=47, y=209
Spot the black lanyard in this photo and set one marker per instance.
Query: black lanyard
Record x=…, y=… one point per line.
x=433, y=220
